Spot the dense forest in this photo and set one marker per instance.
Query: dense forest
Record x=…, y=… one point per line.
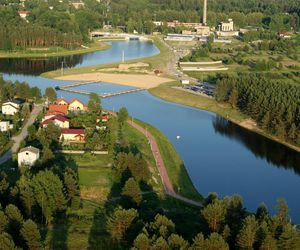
x=273, y=103
x=69, y=25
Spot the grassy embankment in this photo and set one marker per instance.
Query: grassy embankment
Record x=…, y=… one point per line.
x=155, y=62
x=79, y=228
x=54, y=51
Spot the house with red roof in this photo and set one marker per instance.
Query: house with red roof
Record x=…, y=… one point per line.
x=103, y=118
x=77, y=105
x=72, y=135
x=23, y=13
x=58, y=108
x=59, y=120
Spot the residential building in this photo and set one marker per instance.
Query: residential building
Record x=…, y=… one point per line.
x=72, y=135
x=77, y=105
x=227, y=26
x=23, y=14
x=28, y=156
x=61, y=101
x=103, y=118
x=180, y=37
x=58, y=120
x=58, y=108
x=5, y=126
x=11, y=107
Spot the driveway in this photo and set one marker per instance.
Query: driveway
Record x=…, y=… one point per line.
x=21, y=136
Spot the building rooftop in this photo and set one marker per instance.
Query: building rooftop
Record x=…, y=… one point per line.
x=30, y=149
x=73, y=131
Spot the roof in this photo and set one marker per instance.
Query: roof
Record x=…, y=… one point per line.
x=75, y=99
x=54, y=113
x=61, y=99
x=30, y=149
x=23, y=12
x=73, y=131
x=56, y=117
x=58, y=108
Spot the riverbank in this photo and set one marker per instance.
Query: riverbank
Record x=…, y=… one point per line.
x=55, y=52
x=157, y=62
x=168, y=93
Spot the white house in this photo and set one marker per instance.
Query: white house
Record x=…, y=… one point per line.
x=11, y=107
x=5, y=126
x=28, y=156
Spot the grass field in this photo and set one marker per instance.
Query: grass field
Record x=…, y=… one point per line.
x=54, y=51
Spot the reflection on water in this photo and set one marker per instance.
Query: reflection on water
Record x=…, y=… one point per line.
x=37, y=66
x=262, y=147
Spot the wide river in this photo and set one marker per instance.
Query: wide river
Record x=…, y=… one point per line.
x=219, y=156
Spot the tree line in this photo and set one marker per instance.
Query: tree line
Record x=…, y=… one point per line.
x=272, y=103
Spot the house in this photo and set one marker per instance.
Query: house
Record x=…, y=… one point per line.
x=23, y=14
x=72, y=135
x=77, y=105
x=63, y=109
x=61, y=101
x=5, y=126
x=28, y=156
x=58, y=120
x=51, y=114
x=103, y=118
x=11, y=107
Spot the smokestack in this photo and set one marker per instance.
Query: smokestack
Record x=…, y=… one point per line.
x=204, y=12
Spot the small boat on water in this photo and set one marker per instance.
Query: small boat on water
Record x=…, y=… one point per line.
x=57, y=88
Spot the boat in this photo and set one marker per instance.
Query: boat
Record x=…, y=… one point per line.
x=57, y=88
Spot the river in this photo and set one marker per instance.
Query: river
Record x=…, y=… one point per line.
x=219, y=156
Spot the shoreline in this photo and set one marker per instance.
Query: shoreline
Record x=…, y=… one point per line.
x=246, y=122
x=96, y=46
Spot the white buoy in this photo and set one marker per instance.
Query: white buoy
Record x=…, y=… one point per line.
x=178, y=137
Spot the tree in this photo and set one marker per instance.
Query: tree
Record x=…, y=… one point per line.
x=48, y=191
x=15, y=219
x=3, y=222
x=282, y=212
x=142, y=242
x=72, y=188
x=198, y=242
x=26, y=194
x=50, y=93
x=120, y=221
x=269, y=243
x=247, y=236
x=289, y=239
x=132, y=190
x=6, y=242
x=215, y=241
x=177, y=242
x=214, y=214
x=122, y=116
x=31, y=235
x=94, y=104
x=262, y=213
x=162, y=226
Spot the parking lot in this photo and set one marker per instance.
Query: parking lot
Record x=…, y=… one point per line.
x=202, y=88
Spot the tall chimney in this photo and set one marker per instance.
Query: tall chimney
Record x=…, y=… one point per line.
x=204, y=12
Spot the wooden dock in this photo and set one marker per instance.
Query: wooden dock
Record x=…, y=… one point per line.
x=104, y=95
x=73, y=85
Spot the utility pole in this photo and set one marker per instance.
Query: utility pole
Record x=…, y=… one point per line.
x=123, y=56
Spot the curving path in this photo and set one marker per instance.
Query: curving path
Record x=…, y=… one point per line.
x=17, y=139
x=161, y=166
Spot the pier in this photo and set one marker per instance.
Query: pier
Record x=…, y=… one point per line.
x=77, y=84
x=67, y=88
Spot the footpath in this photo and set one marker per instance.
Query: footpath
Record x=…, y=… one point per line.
x=17, y=139
x=161, y=166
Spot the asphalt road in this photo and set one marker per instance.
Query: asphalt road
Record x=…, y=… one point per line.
x=21, y=136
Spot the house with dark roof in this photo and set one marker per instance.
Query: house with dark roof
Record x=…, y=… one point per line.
x=11, y=107
x=59, y=120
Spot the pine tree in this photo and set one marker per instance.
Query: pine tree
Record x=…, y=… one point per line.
x=31, y=235
x=269, y=243
x=6, y=242
x=3, y=222
x=289, y=239
x=214, y=214
x=72, y=188
x=142, y=242
x=177, y=242
x=119, y=222
x=247, y=236
x=198, y=242
x=215, y=241
x=132, y=190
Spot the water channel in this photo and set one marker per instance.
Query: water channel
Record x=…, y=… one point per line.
x=219, y=156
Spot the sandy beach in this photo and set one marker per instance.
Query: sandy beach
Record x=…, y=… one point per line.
x=134, y=80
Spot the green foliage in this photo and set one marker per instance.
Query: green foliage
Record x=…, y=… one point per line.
x=72, y=188
x=6, y=242
x=214, y=214
x=247, y=236
x=94, y=104
x=31, y=235
x=132, y=190
x=122, y=116
x=50, y=93
x=272, y=103
x=48, y=191
x=119, y=222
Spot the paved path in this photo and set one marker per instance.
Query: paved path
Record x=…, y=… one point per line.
x=21, y=136
x=161, y=166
